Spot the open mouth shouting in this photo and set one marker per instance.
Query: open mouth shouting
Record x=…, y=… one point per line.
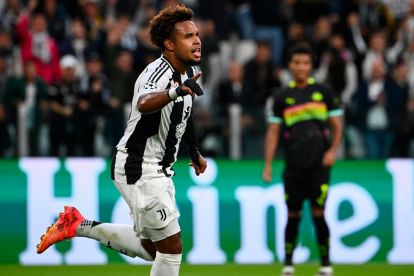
x=196, y=52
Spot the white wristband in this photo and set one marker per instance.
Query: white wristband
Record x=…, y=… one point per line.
x=172, y=93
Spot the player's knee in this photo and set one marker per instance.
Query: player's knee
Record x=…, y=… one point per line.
x=177, y=247
x=149, y=247
x=174, y=245
x=170, y=245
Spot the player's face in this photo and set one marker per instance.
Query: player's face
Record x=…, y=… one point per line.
x=187, y=44
x=300, y=66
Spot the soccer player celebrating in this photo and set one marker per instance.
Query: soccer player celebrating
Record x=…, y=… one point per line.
x=141, y=167
x=305, y=109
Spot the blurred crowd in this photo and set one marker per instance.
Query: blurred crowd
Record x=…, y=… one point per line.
x=71, y=66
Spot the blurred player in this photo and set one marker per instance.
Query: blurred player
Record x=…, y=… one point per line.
x=141, y=166
x=304, y=109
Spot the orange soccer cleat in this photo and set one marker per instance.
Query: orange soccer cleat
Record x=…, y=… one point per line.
x=63, y=228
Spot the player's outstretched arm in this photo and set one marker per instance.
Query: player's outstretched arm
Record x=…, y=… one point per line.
x=154, y=101
x=271, y=143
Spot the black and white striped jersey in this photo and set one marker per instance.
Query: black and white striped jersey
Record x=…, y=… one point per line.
x=154, y=138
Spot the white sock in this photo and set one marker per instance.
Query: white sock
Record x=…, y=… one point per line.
x=119, y=237
x=166, y=265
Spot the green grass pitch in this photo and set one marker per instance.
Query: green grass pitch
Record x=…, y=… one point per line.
x=206, y=270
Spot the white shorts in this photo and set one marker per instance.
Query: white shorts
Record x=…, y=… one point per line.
x=152, y=203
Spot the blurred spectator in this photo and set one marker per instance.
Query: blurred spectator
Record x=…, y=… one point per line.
x=409, y=23
x=93, y=19
x=356, y=40
x=320, y=37
x=208, y=132
x=56, y=19
x=4, y=133
x=123, y=33
x=110, y=11
x=76, y=45
x=373, y=113
x=210, y=45
x=408, y=57
x=339, y=71
x=207, y=129
x=397, y=102
x=8, y=16
x=259, y=77
x=295, y=34
x=375, y=32
x=62, y=99
x=9, y=54
x=230, y=91
x=401, y=42
x=375, y=54
x=404, y=46
x=38, y=46
x=144, y=12
x=259, y=84
x=242, y=17
x=268, y=25
x=93, y=99
x=398, y=8
x=374, y=15
x=147, y=51
x=122, y=77
x=29, y=91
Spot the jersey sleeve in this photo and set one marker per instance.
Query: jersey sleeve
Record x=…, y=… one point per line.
x=275, y=114
x=155, y=79
x=333, y=103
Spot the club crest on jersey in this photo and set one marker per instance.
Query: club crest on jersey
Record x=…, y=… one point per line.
x=150, y=85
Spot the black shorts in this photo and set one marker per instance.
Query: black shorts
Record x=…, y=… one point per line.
x=306, y=183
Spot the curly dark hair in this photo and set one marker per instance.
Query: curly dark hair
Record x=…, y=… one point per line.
x=163, y=23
